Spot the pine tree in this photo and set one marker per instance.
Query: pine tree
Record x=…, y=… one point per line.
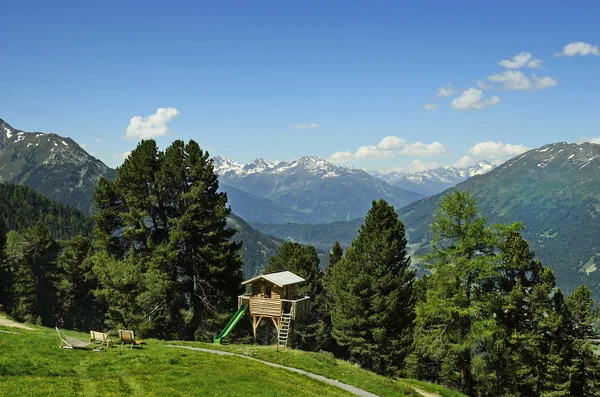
x=164, y=220
x=76, y=306
x=33, y=256
x=583, y=365
x=5, y=273
x=373, y=303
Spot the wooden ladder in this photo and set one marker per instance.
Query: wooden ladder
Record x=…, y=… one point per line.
x=284, y=329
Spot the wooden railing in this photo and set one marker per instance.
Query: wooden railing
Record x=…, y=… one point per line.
x=298, y=307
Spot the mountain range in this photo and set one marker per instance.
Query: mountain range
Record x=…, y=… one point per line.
x=433, y=181
x=553, y=190
x=309, y=189
x=54, y=166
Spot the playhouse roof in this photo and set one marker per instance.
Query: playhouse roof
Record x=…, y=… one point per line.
x=280, y=278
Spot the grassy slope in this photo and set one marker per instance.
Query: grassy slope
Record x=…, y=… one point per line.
x=326, y=365
x=32, y=364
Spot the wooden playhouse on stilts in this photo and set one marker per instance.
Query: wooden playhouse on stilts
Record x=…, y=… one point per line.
x=271, y=296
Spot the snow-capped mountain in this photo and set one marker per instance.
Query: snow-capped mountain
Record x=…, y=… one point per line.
x=52, y=165
x=430, y=182
x=310, y=188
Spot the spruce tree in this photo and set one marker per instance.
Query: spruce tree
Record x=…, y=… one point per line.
x=325, y=305
x=372, y=289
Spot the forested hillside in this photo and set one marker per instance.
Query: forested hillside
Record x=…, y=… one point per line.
x=554, y=191
x=257, y=247
x=21, y=208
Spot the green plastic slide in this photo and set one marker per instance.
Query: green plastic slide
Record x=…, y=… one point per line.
x=234, y=320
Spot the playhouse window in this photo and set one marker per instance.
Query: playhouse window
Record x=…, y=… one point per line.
x=267, y=291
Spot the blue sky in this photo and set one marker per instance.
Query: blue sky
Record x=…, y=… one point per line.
x=236, y=76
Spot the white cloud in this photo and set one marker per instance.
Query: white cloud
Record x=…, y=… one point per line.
x=342, y=157
x=420, y=165
x=390, y=146
x=523, y=59
x=590, y=140
x=472, y=99
x=496, y=150
x=447, y=91
x=482, y=85
x=517, y=81
x=464, y=162
x=98, y=140
x=578, y=48
x=151, y=126
x=121, y=156
x=311, y=125
x=432, y=107
x=543, y=82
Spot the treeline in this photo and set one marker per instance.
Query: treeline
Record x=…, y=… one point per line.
x=487, y=319
x=22, y=208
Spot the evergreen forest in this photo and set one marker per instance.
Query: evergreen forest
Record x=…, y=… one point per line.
x=158, y=257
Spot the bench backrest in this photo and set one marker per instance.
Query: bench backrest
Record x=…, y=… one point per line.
x=95, y=335
x=126, y=336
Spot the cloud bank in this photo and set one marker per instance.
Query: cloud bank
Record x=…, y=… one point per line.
x=388, y=147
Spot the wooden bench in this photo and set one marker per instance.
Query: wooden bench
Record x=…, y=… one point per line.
x=101, y=338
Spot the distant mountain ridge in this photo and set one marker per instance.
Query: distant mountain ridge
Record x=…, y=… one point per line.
x=314, y=189
x=554, y=190
x=436, y=180
x=52, y=165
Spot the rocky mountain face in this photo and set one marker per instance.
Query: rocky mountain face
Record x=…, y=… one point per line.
x=52, y=165
x=434, y=181
x=310, y=188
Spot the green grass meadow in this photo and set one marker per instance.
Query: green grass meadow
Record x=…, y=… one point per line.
x=33, y=364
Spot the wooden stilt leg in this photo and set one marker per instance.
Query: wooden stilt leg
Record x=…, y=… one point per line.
x=276, y=323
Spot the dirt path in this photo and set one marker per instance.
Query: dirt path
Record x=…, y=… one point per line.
x=349, y=388
x=5, y=322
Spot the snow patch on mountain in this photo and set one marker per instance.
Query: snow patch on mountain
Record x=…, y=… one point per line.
x=435, y=180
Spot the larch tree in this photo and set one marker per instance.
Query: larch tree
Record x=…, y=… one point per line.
x=453, y=320
x=372, y=290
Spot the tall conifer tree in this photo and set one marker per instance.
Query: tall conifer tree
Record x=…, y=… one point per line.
x=164, y=220
x=372, y=289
